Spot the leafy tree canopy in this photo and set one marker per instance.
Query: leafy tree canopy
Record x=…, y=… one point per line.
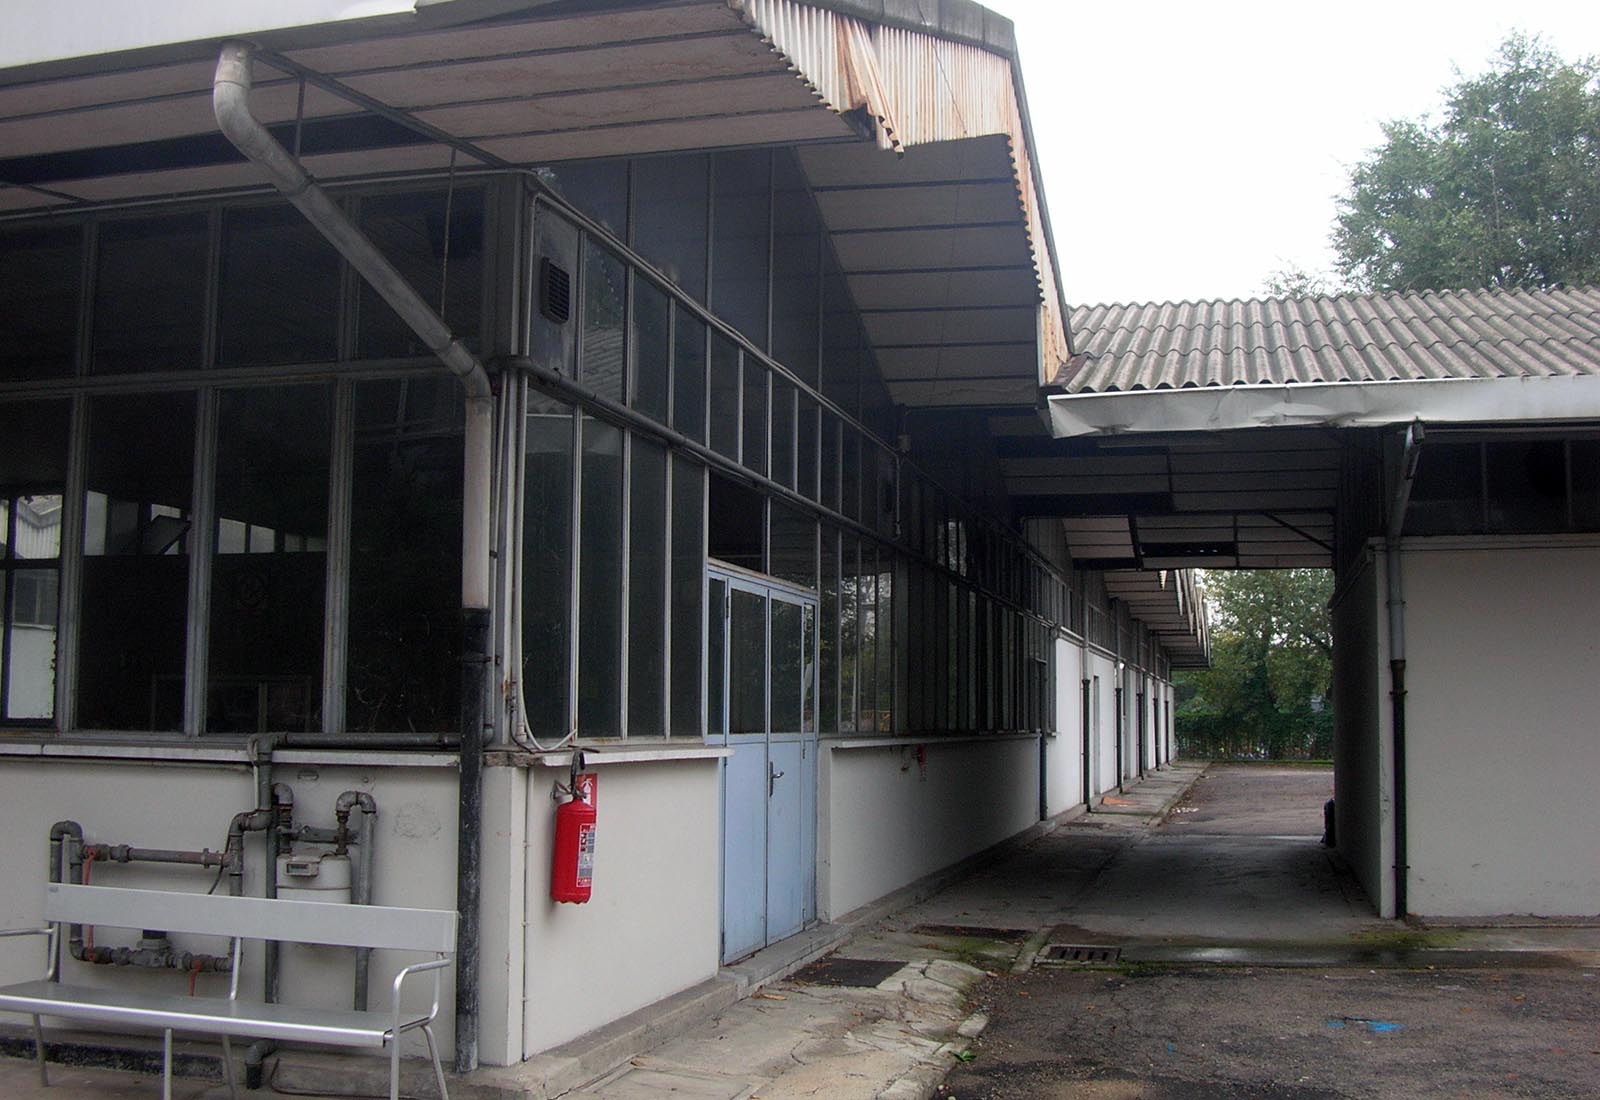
x=1266, y=692
x=1504, y=191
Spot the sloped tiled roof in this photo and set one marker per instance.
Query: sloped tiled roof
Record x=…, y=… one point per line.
x=1339, y=338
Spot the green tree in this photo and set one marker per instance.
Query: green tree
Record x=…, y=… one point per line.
x=1504, y=191
x=1266, y=692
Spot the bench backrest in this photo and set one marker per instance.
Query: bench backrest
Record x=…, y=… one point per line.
x=334, y=923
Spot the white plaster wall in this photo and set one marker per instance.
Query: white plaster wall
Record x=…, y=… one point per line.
x=1064, y=752
x=894, y=818
x=652, y=927
x=1362, y=737
x=1503, y=686
x=1105, y=738
x=188, y=806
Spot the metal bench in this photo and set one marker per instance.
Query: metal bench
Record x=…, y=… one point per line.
x=377, y=926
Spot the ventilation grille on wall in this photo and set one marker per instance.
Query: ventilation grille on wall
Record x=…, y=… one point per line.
x=555, y=291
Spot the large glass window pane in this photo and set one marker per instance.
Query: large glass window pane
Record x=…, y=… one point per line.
x=788, y=666
x=280, y=289
x=724, y=397
x=1447, y=496
x=150, y=294
x=652, y=349
x=1527, y=485
x=736, y=524
x=808, y=678
x=841, y=339
x=747, y=702
x=33, y=471
x=404, y=650
x=597, y=188
x=885, y=641
x=669, y=217
x=850, y=474
x=547, y=567
x=39, y=284
x=267, y=596
x=689, y=374
x=605, y=309
x=828, y=644
x=849, y=631
x=796, y=274
x=600, y=582
x=135, y=601
x=688, y=572
x=740, y=217
x=806, y=447
x=716, y=656
x=793, y=554
x=831, y=461
x=783, y=437
x=867, y=616
x=441, y=257
x=755, y=416
x=647, y=589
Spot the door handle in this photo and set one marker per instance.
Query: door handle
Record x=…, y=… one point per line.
x=773, y=775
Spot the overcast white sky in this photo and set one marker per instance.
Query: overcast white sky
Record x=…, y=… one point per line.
x=1189, y=150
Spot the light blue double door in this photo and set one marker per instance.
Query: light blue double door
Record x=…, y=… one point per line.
x=761, y=699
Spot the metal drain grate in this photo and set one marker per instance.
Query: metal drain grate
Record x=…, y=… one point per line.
x=1067, y=954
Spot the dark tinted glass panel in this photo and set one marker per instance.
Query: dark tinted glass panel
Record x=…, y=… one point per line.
x=841, y=340
x=403, y=670
x=1527, y=486
x=134, y=610
x=885, y=640
x=788, y=665
x=688, y=573
x=828, y=643
x=280, y=289
x=597, y=188
x=600, y=582
x=755, y=416
x=850, y=474
x=806, y=446
x=796, y=274
x=830, y=462
x=33, y=461
x=268, y=575
x=884, y=489
x=735, y=524
x=716, y=656
x=724, y=398
x=647, y=589
x=150, y=294
x=689, y=375
x=605, y=306
x=669, y=217
x=547, y=567
x=441, y=257
x=1586, y=484
x=849, y=631
x=794, y=546
x=1447, y=495
x=867, y=615
x=741, y=209
x=747, y=629
x=652, y=349
x=39, y=301
x=783, y=443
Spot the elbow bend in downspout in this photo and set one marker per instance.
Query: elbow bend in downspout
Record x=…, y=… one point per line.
x=230, y=98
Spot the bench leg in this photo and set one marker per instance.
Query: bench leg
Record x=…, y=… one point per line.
x=38, y=1049
x=166, y=1064
x=438, y=1070
x=227, y=1067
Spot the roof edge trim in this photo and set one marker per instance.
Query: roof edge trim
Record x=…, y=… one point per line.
x=1333, y=404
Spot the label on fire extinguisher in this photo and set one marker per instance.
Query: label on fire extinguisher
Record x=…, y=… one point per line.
x=585, y=854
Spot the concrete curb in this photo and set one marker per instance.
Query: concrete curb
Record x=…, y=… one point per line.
x=922, y=1081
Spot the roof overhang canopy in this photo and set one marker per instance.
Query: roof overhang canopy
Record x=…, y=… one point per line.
x=915, y=136
x=1166, y=601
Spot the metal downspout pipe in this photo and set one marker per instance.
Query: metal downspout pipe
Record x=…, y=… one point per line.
x=1411, y=452
x=230, y=97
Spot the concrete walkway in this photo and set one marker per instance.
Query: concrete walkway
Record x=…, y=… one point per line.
x=1187, y=865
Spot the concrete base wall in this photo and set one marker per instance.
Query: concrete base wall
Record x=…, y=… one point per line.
x=898, y=812
x=653, y=926
x=1502, y=755
x=188, y=806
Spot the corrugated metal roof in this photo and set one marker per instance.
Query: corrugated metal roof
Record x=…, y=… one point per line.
x=1342, y=338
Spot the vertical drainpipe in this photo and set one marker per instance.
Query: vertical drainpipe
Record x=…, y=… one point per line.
x=1411, y=451
x=230, y=102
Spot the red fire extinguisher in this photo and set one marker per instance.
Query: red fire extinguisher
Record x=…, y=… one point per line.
x=572, y=865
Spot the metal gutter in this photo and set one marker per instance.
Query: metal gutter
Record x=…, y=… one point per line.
x=231, y=105
x=1331, y=404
